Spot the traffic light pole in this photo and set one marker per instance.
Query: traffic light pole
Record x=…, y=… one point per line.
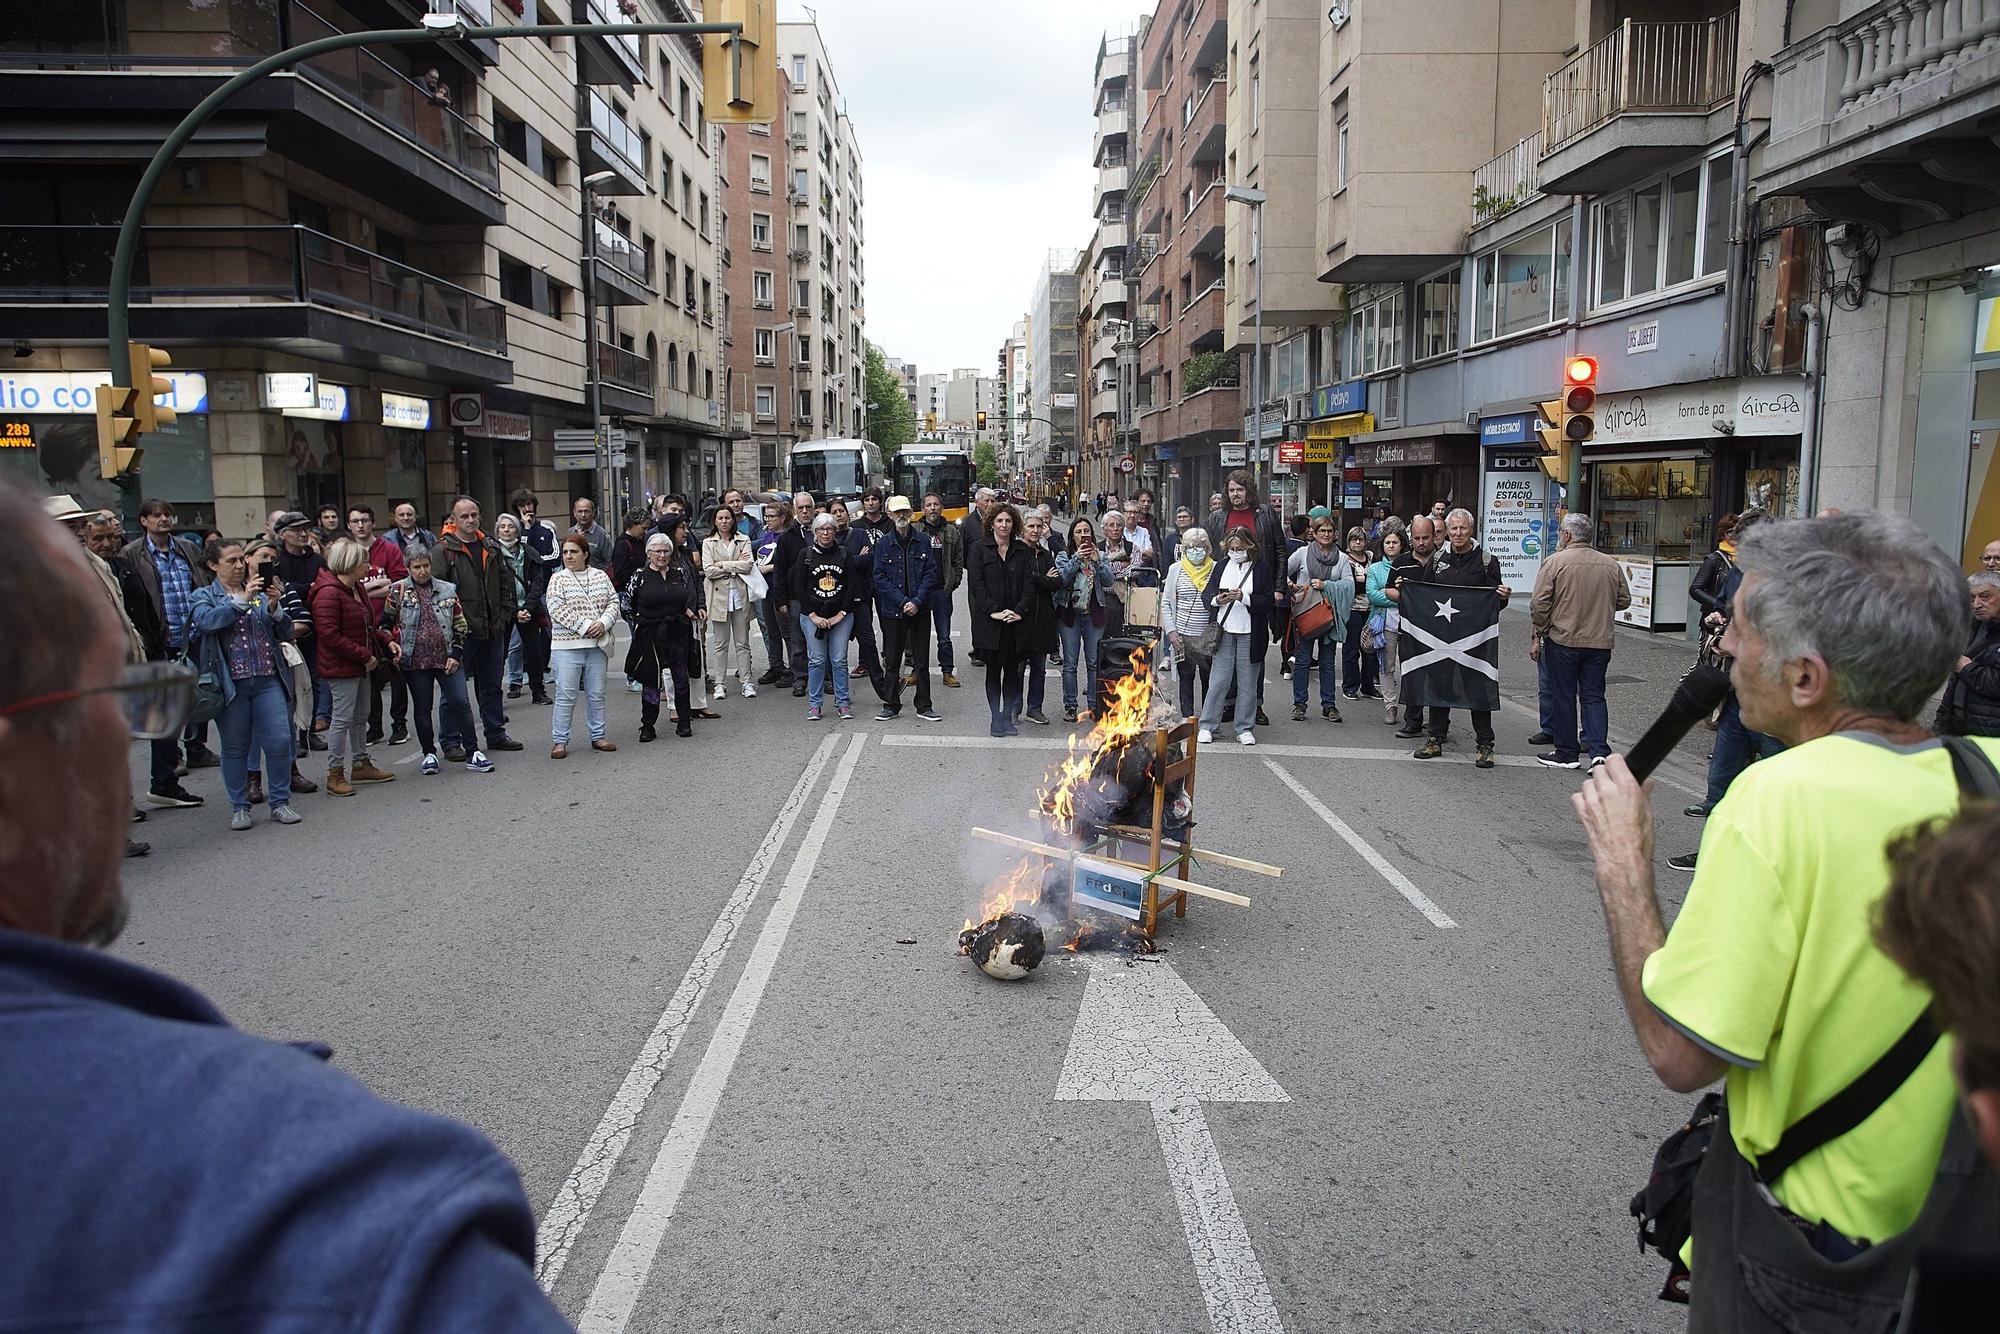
x=118, y=314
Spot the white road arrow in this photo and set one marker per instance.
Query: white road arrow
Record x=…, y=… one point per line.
x=1143, y=1035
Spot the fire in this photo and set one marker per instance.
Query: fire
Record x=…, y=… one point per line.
x=1017, y=893
x=1131, y=699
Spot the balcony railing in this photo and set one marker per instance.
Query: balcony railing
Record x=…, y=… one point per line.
x=626, y=370
x=1889, y=44
x=622, y=253
x=1508, y=181
x=1653, y=67
x=232, y=266
x=601, y=11
x=621, y=138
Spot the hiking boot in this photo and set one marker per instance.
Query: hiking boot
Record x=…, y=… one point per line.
x=1484, y=759
x=201, y=757
x=1430, y=750
x=1069, y=715
x=514, y=691
x=254, y=791
x=947, y=678
x=300, y=783
x=1298, y=713
x=502, y=742
x=366, y=772
x=1330, y=713
x=1262, y=721
x=337, y=784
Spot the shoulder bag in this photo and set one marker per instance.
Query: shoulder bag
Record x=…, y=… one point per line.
x=1761, y=1274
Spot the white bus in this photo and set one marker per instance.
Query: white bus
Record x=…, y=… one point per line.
x=837, y=469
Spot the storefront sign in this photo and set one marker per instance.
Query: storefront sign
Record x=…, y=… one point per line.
x=1337, y=399
x=1515, y=522
x=1166, y=451
x=1516, y=428
x=17, y=435
x=1305, y=451
x=1397, y=453
x=501, y=424
x=406, y=411
x=1233, y=456
x=1639, y=579
x=74, y=393
x=288, y=389
x=331, y=404
x=1642, y=337
x=1341, y=427
x=1757, y=406
x=1350, y=495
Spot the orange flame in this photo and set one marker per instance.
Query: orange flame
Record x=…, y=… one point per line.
x=1124, y=719
x=1018, y=892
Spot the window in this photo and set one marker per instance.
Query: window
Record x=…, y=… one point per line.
x=667, y=183
x=1256, y=94
x=511, y=134
x=684, y=101
x=802, y=296
x=517, y=283
x=799, y=126
x=806, y=404
x=1523, y=284
x=801, y=181
x=760, y=290
x=805, y=351
x=701, y=214
x=760, y=231
x=760, y=172
x=551, y=165
x=765, y=347
x=1437, y=315
x=687, y=197
x=767, y=402
x=798, y=71
x=1341, y=164
x=1375, y=333
x=687, y=287
x=707, y=302
x=1663, y=233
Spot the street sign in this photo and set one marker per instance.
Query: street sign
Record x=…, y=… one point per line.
x=1126, y=463
x=575, y=462
x=576, y=442
x=1233, y=455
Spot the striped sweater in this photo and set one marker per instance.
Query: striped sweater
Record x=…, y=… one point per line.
x=575, y=600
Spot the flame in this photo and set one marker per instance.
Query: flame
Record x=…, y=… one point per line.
x=1115, y=726
x=1017, y=893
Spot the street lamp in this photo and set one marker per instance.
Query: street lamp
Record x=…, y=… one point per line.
x=592, y=364
x=1251, y=195
x=788, y=327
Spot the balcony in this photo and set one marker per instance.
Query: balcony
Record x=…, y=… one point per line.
x=1110, y=181
x=678, y=408
x=1212, y=414
x=1635, y=102
x=607, y=143
x=1507, y=182
x=617, y=59
x=356, y=118
x=1203, y=320
x=1204, y=133
x=624, y=269
x=277, y=286
x=1111, y=233
x=1104, y=402
x=1108, y=301
x=1201, y=226
x=1885, y=119
x=625, y=379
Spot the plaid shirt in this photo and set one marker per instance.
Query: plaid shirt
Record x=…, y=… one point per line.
x=176, y=592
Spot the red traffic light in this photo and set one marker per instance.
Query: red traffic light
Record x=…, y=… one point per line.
x=1580, y=370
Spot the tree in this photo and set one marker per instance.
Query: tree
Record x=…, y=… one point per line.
x=986, y=463
x=891, y=424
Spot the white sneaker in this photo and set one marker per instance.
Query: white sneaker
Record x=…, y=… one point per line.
x=1205, y=736
x=633, y=687
x=1246, y=738
x=749, y=691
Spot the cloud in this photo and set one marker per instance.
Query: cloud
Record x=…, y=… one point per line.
x=975, y=126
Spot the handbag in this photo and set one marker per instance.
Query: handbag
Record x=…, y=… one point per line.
x=1699, y=1172
x=760, y=587
x=1314, y=621
x=209, y=697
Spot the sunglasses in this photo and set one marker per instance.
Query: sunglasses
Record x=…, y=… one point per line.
x=156, y=697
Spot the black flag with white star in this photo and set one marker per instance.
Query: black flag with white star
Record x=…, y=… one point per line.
x=1451, y=646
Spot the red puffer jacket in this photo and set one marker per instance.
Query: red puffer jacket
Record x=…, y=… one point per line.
x=343, y=641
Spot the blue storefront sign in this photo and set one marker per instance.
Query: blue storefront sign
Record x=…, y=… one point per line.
x=1166, y=453
x=1335, y=399
x=1516, y=428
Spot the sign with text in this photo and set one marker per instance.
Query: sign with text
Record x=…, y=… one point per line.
x=288, y=389
x=331, y=403
x=406, y=411
x=1233, y=456
x=1763, y=405
x=1514, y=522
x=1639, y=579
x=1107, y=887
x=1335, y=399
x=74, y=393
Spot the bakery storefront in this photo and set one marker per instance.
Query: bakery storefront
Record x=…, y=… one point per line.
x=48, y=443
x=1667, y=462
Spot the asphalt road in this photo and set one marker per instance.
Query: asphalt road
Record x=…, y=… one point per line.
x=672, y=984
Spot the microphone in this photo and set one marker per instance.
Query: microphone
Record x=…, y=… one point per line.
x=1699, y=692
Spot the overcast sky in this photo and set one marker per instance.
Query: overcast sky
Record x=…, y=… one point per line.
x=975, y=124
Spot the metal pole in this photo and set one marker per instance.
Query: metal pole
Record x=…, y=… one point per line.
x=118, y=304
x=593, y=370
x=1808, y=497
x=1257, y=355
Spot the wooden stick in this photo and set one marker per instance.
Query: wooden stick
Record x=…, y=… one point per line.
x=1202, y=891
x=1025, y=845
x=1133, y=833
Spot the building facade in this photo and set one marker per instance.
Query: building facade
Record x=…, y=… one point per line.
x=1049, y=424
x=769, y=356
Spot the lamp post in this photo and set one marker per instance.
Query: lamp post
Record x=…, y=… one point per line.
x=788, y=327
x=593, y=368
x=1248, y=194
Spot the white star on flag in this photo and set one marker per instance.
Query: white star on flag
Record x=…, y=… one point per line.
x=1446, y=611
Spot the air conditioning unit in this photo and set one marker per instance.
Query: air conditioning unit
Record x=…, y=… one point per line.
x=1298, y=407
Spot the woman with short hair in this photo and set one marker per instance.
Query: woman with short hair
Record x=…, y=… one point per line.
x=242, y=624
x=823, y=580
x=662, y=602
x=1320, y=572
x=426, y=631
x=583, y=606
x=344, y=640
x=1188, y=620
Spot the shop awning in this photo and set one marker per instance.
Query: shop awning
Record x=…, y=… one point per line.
x=1342, y=427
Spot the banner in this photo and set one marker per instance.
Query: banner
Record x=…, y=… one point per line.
x=1451, y=646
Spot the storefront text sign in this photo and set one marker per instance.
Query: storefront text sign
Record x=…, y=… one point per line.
x=1336, y=399
x=288, y=389
x=406, y=411
x=1639, y=579
x=504, y=425
x=1397, y=453
x=1516, y=428
x=332, y=404
x=1341, y=427
x=74, y=393
x=1758, y=406
x=1514, y=526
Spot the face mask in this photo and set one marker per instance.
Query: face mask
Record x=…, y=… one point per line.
x=1239, y=557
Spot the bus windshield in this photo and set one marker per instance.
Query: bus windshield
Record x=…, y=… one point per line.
x=950, y=475
x=830, y=472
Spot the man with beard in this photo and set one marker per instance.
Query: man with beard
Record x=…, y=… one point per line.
x=134, y=1103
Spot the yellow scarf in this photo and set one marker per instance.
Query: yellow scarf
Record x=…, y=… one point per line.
x=1197, y=574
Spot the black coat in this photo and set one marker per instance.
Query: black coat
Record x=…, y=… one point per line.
x=994, y=585
x=1971, y=705
x=792, y=544
x=657, y=605
x=1270, y=535
x=1037, y=632
x=1262, y=581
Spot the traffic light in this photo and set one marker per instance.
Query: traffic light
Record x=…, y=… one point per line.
x=124, y=415
x=930, y=423
x=981, y=420
x=1556, y=447
x=1579, y=405
x=755, y=100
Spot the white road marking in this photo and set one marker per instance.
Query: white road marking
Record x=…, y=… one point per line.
x=1225, y=1263
x=1396, y=878
x=623, y=1280
x=1621, y=743
x=569, y=1212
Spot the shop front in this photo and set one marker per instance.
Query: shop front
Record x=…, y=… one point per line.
x=48, y=443
x=1406, y=471
x=1518, y=502
x=1667, y=462
x=1339, y=413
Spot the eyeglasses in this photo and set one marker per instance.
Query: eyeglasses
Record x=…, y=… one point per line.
x=156, y=697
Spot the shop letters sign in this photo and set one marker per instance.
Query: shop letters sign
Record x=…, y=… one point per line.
x=1398, y=453
x=1756, y=406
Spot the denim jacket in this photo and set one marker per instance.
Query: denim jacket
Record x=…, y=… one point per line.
x=1069, y=565
x=212, y=614
x=401, y=608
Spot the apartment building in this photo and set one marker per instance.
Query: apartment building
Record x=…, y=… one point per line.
x=966, y=396
x=1104, y=303
x=1049, y=422
x=1187, y=398
x=390, y=274
x=1012, y=368
x=770, y=351
x=823, y=209
x=932, y=388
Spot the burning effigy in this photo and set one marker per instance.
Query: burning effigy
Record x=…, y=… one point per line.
x=1127, y=783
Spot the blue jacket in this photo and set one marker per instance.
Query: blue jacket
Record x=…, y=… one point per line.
x=212, y=614
x=906, y=570
x=166, y=1172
